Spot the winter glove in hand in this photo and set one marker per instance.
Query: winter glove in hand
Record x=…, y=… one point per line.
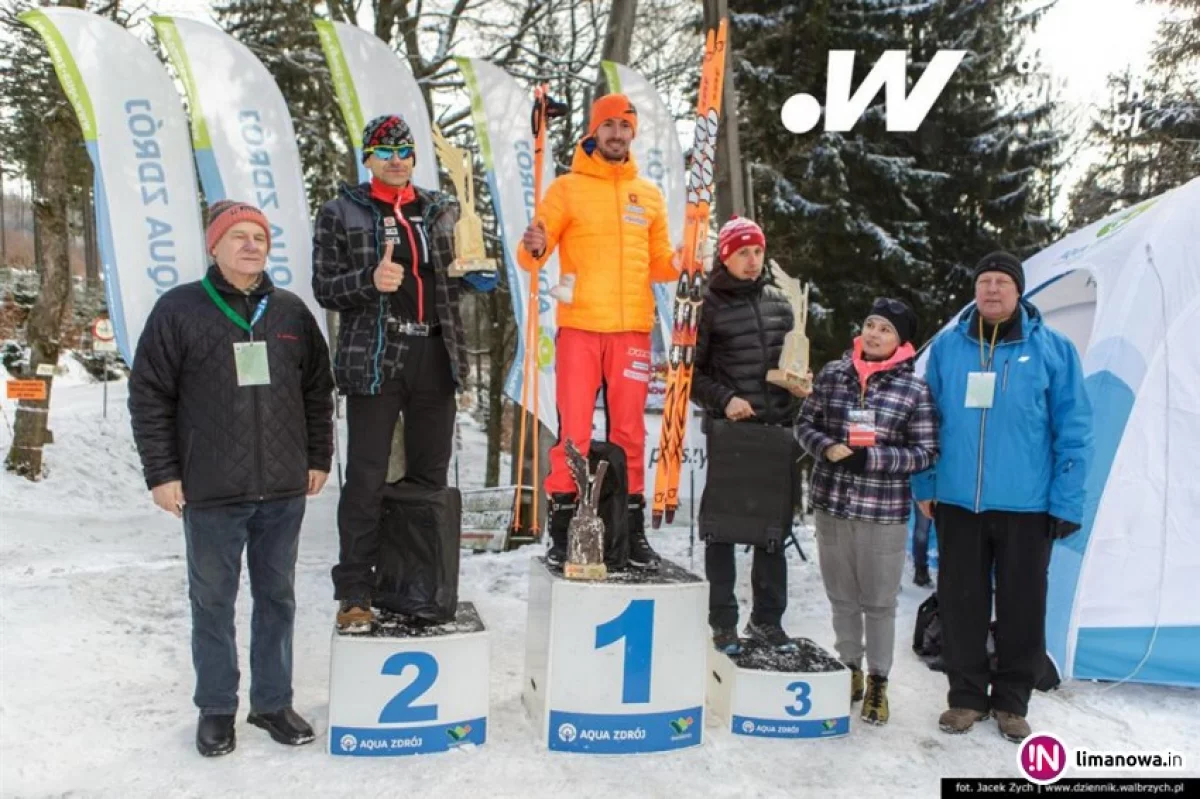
x=856, y=463
x=1060, y=529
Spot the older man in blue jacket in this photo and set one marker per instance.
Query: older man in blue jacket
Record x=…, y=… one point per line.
x=1015, y=443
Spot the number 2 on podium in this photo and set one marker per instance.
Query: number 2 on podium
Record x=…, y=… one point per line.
x=636, y=625
x=401, y=710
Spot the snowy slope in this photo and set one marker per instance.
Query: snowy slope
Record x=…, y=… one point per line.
x=95, y=670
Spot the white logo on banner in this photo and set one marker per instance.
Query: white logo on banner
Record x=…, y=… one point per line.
x=349, y=743
x=747, y=727
x=566, y=732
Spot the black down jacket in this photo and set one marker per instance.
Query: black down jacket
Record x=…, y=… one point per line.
x=191, y=420
x=742, y=327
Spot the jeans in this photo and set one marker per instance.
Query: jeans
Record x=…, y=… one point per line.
x=215, y=536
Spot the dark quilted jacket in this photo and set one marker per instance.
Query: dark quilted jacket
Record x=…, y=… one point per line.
x=742, y=327
x=347, y=246
x=191, y=420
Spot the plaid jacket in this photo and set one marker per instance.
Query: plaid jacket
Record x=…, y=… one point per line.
x=347, y=246
x=906, y=437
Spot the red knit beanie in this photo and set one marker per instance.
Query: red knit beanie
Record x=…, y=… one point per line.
x=736, y=234
x=224, y=214
x=612, y=106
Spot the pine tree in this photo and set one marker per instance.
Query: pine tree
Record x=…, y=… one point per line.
x=1149, y=136
x=992, y=135
x=871, y=212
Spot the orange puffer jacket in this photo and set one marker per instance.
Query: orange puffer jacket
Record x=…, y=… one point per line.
x=610, y=227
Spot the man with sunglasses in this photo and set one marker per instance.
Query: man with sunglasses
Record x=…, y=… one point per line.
x=1015, y=443
x=381, y=255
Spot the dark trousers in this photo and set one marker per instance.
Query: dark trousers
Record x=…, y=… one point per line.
x=1016, y=547
x=920, y=541
x=270, y=534
x=768, y=582
x=424, y=393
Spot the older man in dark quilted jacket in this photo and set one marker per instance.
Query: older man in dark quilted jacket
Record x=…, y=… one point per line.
x=382, y=251
x=231, y=401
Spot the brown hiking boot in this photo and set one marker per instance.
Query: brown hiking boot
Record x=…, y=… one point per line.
x=875, y=706
x=857, y=686
x=958, y=720
x=355, y=616
x=1012, y=727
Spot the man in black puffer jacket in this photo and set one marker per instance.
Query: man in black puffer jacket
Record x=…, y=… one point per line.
x=743, y=323
x=231, y=400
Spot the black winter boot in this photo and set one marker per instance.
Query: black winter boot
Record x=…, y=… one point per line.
x=562, y=508
x=641, y=554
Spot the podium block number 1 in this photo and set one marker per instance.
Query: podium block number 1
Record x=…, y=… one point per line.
x=635, y=624
x=401, y=710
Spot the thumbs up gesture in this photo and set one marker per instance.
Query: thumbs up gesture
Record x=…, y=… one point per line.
x=388, y=275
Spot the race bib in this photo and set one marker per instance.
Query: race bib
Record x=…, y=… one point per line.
x=251, y=360
x=862, y=427
x=981, y=389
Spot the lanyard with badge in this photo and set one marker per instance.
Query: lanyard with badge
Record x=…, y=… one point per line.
x=862, y=423
x=250, y=357
x=981, y=385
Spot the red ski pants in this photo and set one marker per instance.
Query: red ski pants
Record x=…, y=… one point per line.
x=584, y=361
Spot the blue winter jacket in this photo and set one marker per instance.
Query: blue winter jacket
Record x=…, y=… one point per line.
x=1031, y=450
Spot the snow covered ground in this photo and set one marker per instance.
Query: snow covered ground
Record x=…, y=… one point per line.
x=96, y=679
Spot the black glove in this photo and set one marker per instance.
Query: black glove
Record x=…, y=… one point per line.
x=856, y=463
x=1060, y=529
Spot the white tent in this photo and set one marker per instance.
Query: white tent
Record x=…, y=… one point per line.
x=1124, y=600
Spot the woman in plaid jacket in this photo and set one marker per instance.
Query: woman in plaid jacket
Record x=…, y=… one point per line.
x=870, y=423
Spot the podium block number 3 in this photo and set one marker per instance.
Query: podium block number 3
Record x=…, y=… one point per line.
x=635, y=624
x=401, y=710
x=801, y=703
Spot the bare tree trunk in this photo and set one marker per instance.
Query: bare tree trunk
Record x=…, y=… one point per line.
x=618, y=38
x=53, y=303
x=730, y=186
x=498, y=316
x=91, y=250
x=3, y=226
x=34, y=193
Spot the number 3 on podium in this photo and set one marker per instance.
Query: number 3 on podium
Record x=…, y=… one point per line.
x=636, y=625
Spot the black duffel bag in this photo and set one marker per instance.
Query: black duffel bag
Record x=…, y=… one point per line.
x=614, y=502
x=417, y=567
x=749, y=493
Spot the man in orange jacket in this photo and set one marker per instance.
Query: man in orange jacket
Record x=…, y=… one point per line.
x=610, y=227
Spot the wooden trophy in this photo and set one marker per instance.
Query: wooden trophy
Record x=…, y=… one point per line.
x=585, y=533
x=469, y=253
x=793, y=368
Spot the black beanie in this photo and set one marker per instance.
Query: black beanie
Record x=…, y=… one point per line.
x=899, y=314
x=1001, y=261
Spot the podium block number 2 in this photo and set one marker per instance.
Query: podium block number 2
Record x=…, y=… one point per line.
x=401, y=710
x=635, y=624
